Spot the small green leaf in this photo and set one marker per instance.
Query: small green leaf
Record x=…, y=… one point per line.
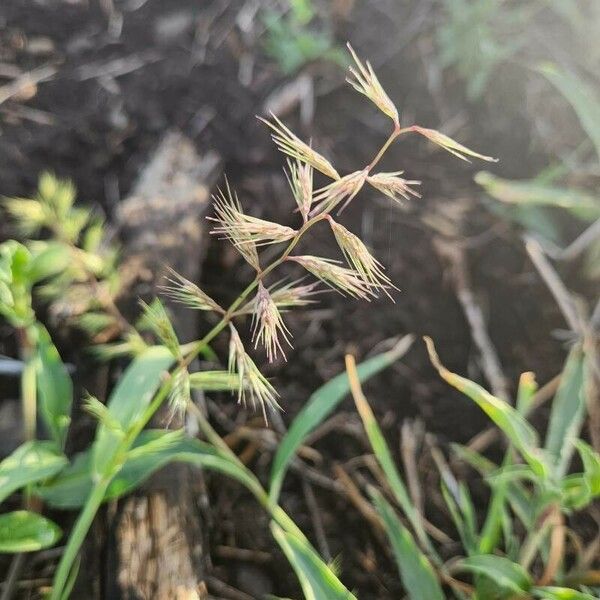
x=591, y=466
x=24, y=531
x=54, y=386
x=502, y=571
x=320, y=405
x=415, y=569
x=130, y=399
x=318, y=581
x=30, y=462
x=48, y=259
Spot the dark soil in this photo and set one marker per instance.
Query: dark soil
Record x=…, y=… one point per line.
x=92, y=124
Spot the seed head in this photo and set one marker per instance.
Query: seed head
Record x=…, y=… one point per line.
x=447, y=143
x=251, y=382
x=179, y=396
x=365, y=82
x=393, y=186
x=328, y=197
x=185, y=292
x=284, y=296
x=359, y=257
x=289, y=143
x=300, y=179
x=342, y=279
x=268, y=325
x=291, y=295
x=230, y=216
x=244, y=231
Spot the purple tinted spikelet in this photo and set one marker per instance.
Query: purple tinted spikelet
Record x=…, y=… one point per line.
x=344, y=189
x=359, y=258
x=364, y=81
x=268, y=327
x=252, y=384
x=342, y=279
x=289, y=143
x=393, y=186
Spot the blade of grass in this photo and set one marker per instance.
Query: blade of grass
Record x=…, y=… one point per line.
x=568, y=413
x=514, y=426
x=318, y=581
x=320, y=405
x=384, y=456
x=416, y=572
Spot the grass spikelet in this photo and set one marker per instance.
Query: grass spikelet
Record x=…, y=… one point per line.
x=185, y=292
x=359, y=257
x=448, y=144
x=393, y=186
x=253, y=386
x=364, y=81
x=342, y=279
x=346, y=188
x=269, y=327
x=300, y=178
x=289, y=143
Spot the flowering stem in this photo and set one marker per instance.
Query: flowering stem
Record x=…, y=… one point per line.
x=396, y=133
x=198, y=346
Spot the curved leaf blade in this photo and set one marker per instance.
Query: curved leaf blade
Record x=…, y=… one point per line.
x=24, y=531
x=416, y=572
x=320, y=405
x=318, y=581
x=30, y=462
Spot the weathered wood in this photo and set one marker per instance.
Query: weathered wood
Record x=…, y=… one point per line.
x=156, y=538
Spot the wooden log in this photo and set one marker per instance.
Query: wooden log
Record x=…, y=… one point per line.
x=155, y=542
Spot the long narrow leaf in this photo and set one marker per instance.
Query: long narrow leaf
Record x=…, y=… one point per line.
x=502, y=571
x=153, y=450
x=318, y=581
x=519, y=432
x=384, y=456
x=568, y=412
x=416, y=571
x=581, y=96
x=560, y=593
x=321, y=404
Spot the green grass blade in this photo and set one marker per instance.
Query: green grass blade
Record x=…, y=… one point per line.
x=514, y=426
x=30, y=462
x=591, y=466
x=502, y=571
x=384, y=457
x=416, y=572
x=568, y=412
x=24, y=531
x=152, y=450
x=130, y=398
x=320, y=405
x=560, y=593
x=581, y=96
x=528, y=194
x=55, y=388
x=318, y=581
